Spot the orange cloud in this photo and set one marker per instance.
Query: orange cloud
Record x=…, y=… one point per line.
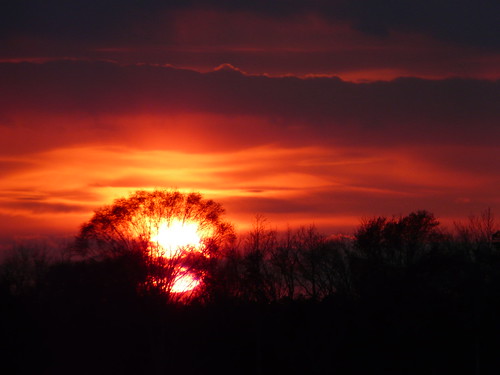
x=328, y=187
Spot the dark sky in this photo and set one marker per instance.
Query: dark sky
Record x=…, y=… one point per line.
x=305, y=111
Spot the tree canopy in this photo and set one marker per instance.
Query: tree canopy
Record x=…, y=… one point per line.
x=129, y=223
x=400, y=241
x=175, y=235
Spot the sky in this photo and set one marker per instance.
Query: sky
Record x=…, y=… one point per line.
x=306, y=112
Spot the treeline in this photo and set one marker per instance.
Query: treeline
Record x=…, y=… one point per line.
x=401, y=295
x=267, y=266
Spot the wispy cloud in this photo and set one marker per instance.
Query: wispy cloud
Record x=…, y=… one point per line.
x=290, y=185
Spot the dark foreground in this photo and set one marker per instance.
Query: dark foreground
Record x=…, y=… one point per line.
x=401, y=297
x=77, y=327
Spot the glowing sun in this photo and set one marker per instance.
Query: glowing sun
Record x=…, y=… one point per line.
x=184, y=282
x=175, y=236
x=173, y=240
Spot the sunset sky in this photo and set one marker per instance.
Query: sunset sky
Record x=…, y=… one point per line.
x=304, y=111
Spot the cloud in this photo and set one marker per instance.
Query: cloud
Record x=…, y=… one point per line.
x=354, y=39
x=332, y=188
x=65, y=94
x=40, y=207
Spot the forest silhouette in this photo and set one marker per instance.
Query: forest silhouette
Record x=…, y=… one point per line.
x=402, y=295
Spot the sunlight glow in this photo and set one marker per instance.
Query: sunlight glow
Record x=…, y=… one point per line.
x=170, y=241
x=184, y=283
x=175, y=236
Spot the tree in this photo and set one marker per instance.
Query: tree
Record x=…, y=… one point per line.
x=310, y=247
x=259, y=281
x=398, y=258
x=400, y=241
x=24, y=268
x=285, y=259
x=476, y=236
x=178, y=235
x=298, y=264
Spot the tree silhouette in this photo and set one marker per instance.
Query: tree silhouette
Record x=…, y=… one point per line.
x=476, y=235
x=402, y=294
x=400, y=241
x=259, y=281
x=149, y=224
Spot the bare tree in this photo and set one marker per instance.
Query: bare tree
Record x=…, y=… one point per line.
x=139, y=224
x=259, y=279
x=24, y=267
x=285, y=260
x=310, y=244
x=476, y=234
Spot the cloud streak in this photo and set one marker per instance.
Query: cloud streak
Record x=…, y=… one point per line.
x=289, y=185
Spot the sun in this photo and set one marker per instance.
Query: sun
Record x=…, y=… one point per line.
x=172, y=240
x=172, y=237
x=184, y=282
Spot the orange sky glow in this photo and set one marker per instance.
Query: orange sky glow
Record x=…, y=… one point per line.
x=306, y=113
